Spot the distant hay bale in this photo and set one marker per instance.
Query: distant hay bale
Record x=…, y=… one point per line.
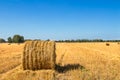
x=9, y=43
x=39, y=55
x=107, y=44
x=118, y=42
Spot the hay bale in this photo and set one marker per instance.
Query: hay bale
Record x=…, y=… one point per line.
x=118, y=43
x=107, y=44
x=39, y=55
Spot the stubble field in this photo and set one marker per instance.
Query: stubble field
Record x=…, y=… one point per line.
x=75, y=61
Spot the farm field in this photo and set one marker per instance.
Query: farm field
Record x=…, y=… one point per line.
x=74, y=61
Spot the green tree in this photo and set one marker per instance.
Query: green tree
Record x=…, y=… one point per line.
x=18, y=39
x=2, y=40
x=48, y=40
x=9, y=40
x=21, y=39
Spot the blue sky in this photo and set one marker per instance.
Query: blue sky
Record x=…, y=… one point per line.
x=60, y=19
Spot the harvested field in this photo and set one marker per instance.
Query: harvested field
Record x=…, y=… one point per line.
x=74, y=61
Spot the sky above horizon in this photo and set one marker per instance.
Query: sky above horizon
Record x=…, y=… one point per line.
x=60, y=19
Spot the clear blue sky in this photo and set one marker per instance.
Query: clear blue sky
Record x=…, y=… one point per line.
x=60, y=19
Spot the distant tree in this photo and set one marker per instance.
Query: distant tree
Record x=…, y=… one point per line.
x=84, y=40
x=48, y=40
x=33, y=40
x=72, y=40
x=27, y=40
x=97, y=40
x=22, y=39
x=2, y=40
x=9, y=40
x=18, y=39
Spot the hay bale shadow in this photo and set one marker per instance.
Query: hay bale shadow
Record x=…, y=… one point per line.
x=68, y=67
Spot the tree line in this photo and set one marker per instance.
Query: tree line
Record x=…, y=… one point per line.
x=14, y=39
x=20, y=39
x=87, y=40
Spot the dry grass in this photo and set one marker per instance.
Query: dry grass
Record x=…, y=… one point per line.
x=78, y=61
x=39, y=55
x=31, y=75
x=10, y=57
x=100, y=61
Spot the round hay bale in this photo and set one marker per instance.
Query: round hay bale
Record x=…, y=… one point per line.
x=107, y=44
x=39, y=55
